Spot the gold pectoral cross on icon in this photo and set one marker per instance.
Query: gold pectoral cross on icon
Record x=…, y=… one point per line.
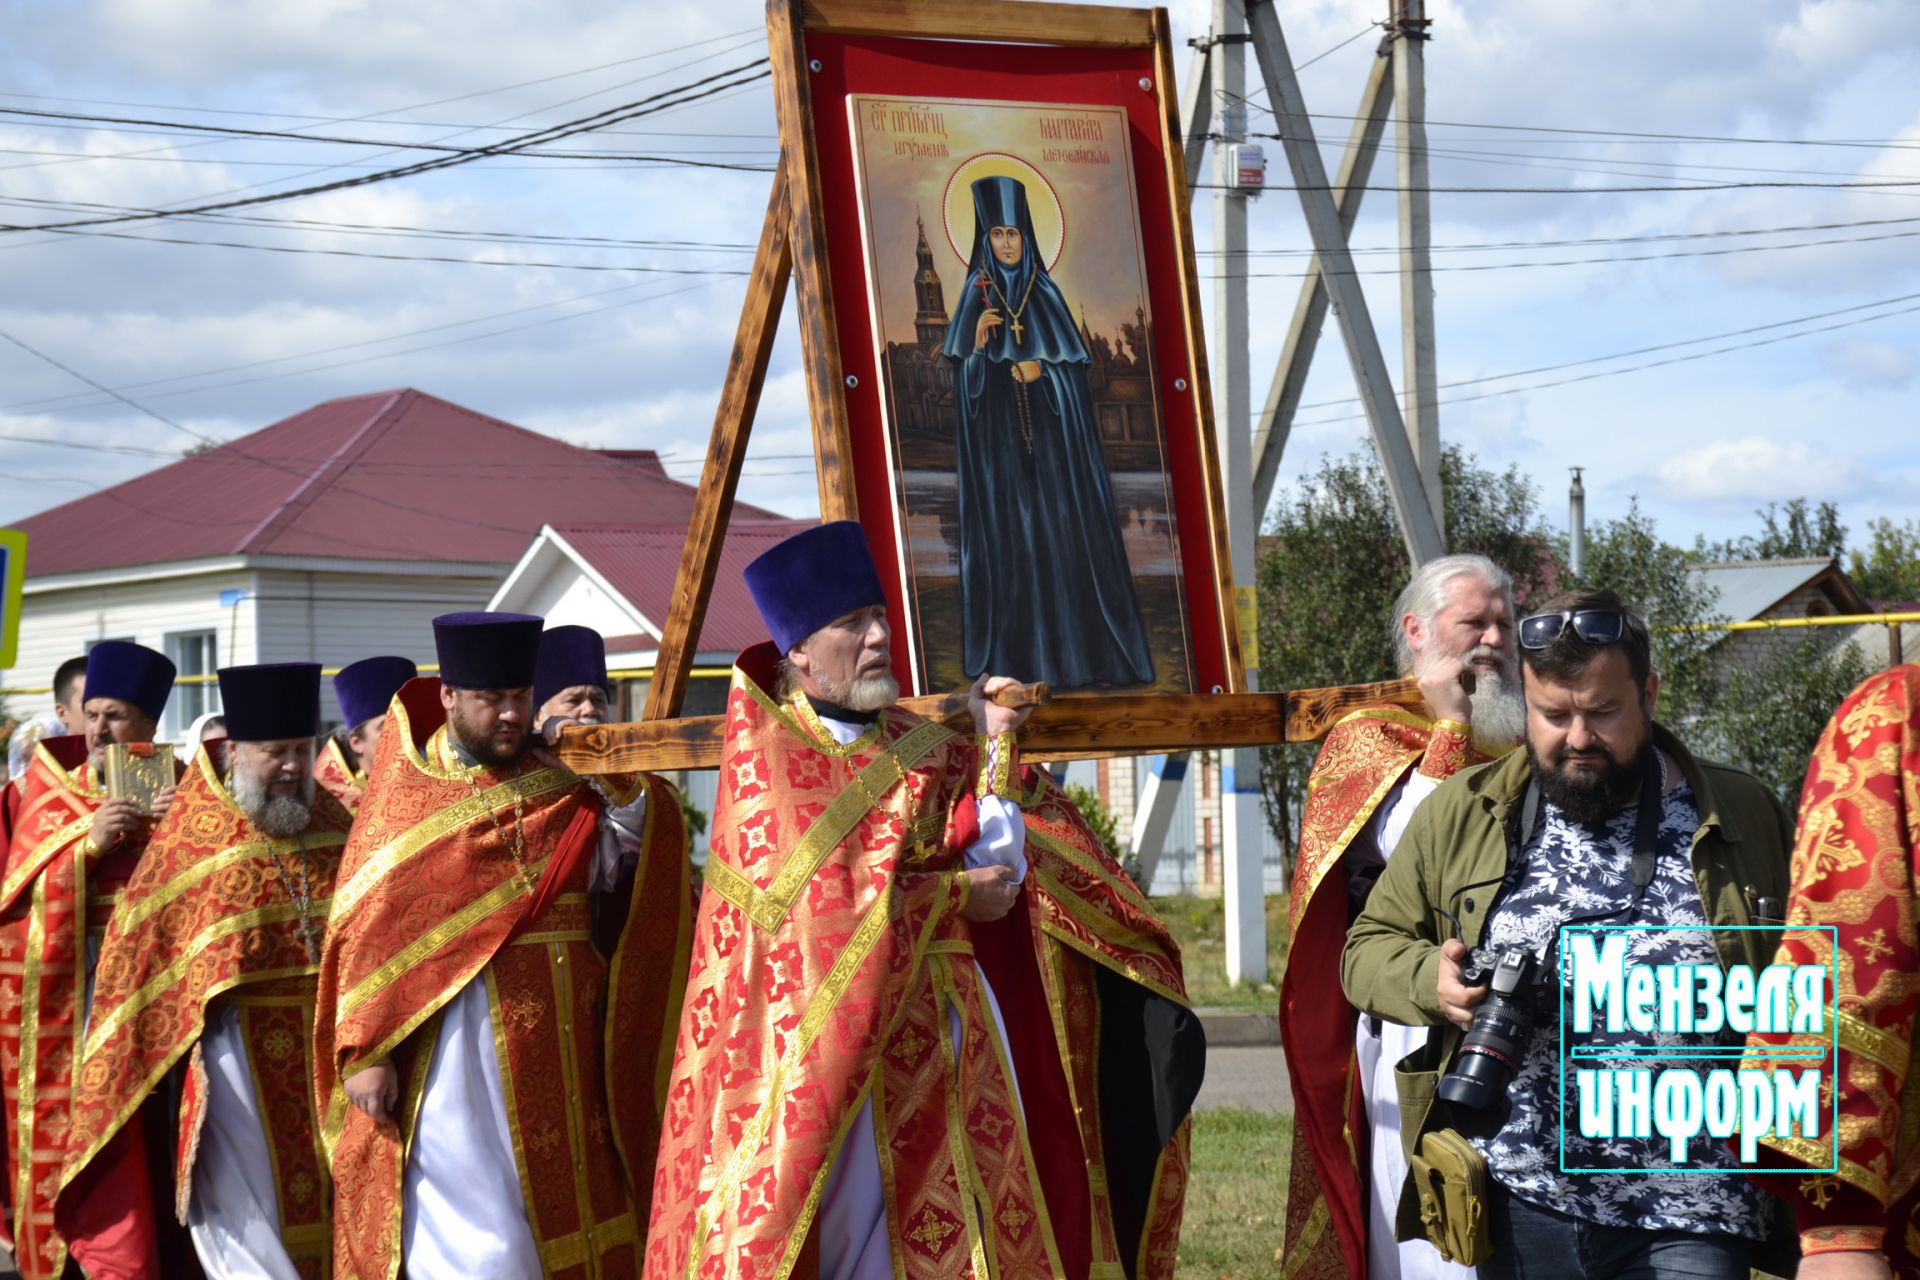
x=1019, y=330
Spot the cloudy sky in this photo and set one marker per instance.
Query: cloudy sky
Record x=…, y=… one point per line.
x=543, y=322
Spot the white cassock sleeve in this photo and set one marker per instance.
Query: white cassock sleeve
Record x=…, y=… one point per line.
x=622, y=829
x=233, y=1214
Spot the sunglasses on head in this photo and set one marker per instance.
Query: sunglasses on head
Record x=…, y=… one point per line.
x=1595, y=626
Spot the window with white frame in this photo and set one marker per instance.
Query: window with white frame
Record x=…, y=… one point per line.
x=195, y=653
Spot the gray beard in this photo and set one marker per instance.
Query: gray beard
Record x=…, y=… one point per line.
x=281, y=816
x=870, y=693
x=1499, y=713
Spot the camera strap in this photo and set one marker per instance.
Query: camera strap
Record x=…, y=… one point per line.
x=1646, y=830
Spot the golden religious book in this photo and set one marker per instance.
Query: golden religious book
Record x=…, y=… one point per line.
x=140, y=770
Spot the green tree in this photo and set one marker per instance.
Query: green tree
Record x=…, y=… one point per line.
x=1331, y=563
x=1629, y=557
x=1793, y=532
x=1766, y=719
x=1889, y=569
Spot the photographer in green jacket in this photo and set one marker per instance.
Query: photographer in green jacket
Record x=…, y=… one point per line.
x=1605, y=820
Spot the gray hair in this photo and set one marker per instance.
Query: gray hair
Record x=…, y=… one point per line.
x=1426, y=594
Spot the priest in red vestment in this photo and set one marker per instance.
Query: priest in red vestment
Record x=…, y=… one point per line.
x=364, y=689
x=1856, y=865
x=498, y=988
x=69, y=848
x=893, y=1057
x=198, y=1052
x=1376, y=766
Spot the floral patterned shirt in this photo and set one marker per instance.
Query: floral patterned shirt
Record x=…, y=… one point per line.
x=1576, y=870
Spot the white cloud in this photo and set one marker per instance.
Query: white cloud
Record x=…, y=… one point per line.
x=1872, y=364
x=1757, y=469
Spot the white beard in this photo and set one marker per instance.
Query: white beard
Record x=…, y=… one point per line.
x=1499, y=712
x=869, y=693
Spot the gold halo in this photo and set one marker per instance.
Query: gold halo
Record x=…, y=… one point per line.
x=1043, y=203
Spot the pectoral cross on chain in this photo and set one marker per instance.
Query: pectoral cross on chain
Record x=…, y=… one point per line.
x=1019, y=330
x=309, y=932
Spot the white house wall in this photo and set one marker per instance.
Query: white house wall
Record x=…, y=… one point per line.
x=60, y=624
x=334, y=618
x=566, y=596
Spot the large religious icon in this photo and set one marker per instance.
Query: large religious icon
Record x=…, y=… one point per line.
x=1032, y=497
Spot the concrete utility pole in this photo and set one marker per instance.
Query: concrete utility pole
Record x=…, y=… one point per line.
x=1420, y=383
x=1240, y=818
x=1412, y=511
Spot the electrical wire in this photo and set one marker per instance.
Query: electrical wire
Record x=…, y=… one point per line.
x=680, y=95
x=1586, y=242
x=1573, y=262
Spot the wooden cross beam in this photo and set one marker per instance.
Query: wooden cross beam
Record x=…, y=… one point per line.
x=1068, y=728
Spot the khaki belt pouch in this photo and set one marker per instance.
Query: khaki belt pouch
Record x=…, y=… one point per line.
x=1450, y=1178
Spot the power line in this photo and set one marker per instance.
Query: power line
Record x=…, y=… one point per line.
x=1876, y=144
x=679, y=96
x=1657, y=347
x=405, y=231
x=1591, y=241
x=106, y=390
x=186, y=129
x=1582, y=262
x=1869, y=185
x=407, y=257
x=387, y=355
x=1638, y=368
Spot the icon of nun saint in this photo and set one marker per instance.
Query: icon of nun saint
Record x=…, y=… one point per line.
x=1045, y=589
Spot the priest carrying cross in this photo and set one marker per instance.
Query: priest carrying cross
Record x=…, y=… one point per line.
x=874, y=1075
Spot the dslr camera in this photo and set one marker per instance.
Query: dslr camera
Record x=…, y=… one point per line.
x=1491, y=1050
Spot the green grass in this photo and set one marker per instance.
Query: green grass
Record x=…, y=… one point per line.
x=1236, y=1198
x=1199, y=926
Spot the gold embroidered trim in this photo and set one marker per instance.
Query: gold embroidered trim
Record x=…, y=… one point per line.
x=76, y=1162
x=1310, y=1233
x=1868, y=1041
x=382, y=862
x=768, y=907
x=165, y=895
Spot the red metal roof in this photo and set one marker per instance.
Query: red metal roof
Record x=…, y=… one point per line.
x=396, y=475
x=641, y=561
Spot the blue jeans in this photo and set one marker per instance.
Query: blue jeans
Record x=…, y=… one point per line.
x=1532, y=1243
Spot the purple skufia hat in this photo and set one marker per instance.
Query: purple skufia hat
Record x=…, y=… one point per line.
x=271, y=701
x=366, y=687
x=806, y=581
x=487, y=650
x=130, y=672
x=569, y=656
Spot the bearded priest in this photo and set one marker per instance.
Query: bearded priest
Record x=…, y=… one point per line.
x=198, y=1051
x=869, y=1081
x=1376, y=767
x=490, y=963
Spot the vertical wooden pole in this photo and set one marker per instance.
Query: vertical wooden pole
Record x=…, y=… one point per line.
x=819, y=341
x=720, y=477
